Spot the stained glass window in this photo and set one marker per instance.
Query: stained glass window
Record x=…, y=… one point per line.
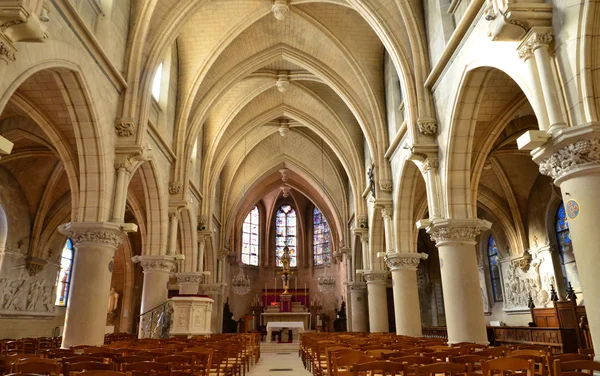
x=321, y=248
x=285, y=233
x=64, y=276
x=250, y=232
x=494, y=269
x=565, y=247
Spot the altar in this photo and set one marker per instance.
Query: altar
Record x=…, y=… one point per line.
x=292, y=325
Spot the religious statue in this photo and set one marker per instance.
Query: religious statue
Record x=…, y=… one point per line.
x=113, y=300
x=371, y=176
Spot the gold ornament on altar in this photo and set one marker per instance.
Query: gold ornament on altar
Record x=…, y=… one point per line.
x=286, y=273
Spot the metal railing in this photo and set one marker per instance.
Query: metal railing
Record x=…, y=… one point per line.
x=157, y=322
x=435, y=332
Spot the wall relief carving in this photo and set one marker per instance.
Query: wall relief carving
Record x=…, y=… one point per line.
x=518, y=286
x=23, y=294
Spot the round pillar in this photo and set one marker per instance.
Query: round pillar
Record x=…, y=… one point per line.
x=156, y=277
x=573, y=161
x=189, y=283
x=455, y=240
x=377, y=298
x=407, y=310
x=358, y=306
x=95, y=244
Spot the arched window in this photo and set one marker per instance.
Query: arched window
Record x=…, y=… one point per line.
x=157, y=82
x=565, y=247
x=250, y=232
x=321, y=248
x=64, y=276
x=494, y=269
x=285, y=233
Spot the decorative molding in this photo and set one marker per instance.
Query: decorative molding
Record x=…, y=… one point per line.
x=457, y=230
x=125, y=128
x=376, y=276
x=427, y=127
x=534, y=40
x=202, y=223
x=385, y=185
x=357, y=287
x=283, y=84
x=580, y=154
x=363, y=221
x=211, y=288
x=280, y=9
x=175, y=187
x=7, y=52
x=430, y=163
x=524, y=262
x=406, y=261
x=386, y=213
x=35, y=265
x=192, y=278
x=96, y=234
x=222, y=254
x=156, y=263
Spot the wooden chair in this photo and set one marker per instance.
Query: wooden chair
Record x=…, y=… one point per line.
x=395, y=354
x=494, y=352
x=413, y=360
x=85, y=366
x=537, y=356
x=11, y=359
x=586, y=352
x=178, y=362
x=506, y=366
x=565, y=358
x=23, y=374
x=58, y=353
x=547, y=350
x=121, y=361
x=342, y=365
x=380, y=368
x=202, y=359
x=474, y=360
x=378, y=353
x=102, y=373
x=39, y=365
x=148, y=368
x=330, y=353
x=576, y=368
x=447, y=369
x=472, y=347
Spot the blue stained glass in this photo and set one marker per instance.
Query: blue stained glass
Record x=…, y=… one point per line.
x=320, y=238
x=63, y=279
x=250, y=237
x=285, y=233
x=494, y=269
x=565, y=246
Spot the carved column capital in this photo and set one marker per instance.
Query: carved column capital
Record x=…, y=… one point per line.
x=7, y=50
x=387, y=213
x=189, y=278
x=456, y=230
x=96, y=233
x=406, y=261
x=125, y=127
x=202, y=222
x=427, y=126
x=150, y=263
x=175, y=187
x=578, y=155
x=372, y=276
x=385, y=185
x=222, y=254
x=535, y=38
x=357, y=287
x=362, y=222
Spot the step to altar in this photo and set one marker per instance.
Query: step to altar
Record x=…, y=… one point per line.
x=280, y=348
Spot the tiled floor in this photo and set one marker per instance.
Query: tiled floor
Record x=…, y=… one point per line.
x=271, y=362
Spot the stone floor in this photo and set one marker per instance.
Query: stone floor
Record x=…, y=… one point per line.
x=282, y=362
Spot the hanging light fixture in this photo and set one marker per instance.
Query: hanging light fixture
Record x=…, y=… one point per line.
x=241, y=283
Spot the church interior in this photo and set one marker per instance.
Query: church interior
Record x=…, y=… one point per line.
x=325, y=187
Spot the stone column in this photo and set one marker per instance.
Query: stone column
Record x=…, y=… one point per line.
x=173, y=222
x=358, y=305
x=407, y=310
x=202, y=235
x=572, y=159
x=189, y=283
x=535, y=44
x=156, y=276
x=386, y=213
x=95, y=244
x=455, y=239
x=378, y=312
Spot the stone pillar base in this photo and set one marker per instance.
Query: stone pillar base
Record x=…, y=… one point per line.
x=191, y=316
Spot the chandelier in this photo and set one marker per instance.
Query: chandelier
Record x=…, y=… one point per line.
x=241, y=283
x=326, y=282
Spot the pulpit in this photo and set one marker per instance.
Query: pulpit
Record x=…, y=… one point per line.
x=191, y=315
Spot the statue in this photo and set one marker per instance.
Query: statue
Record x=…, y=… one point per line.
x=371, y=176
x=113, y=300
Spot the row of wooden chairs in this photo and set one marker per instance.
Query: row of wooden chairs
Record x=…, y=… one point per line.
x=227, y=355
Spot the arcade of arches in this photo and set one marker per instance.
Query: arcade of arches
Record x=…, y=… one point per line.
x=439, y=159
